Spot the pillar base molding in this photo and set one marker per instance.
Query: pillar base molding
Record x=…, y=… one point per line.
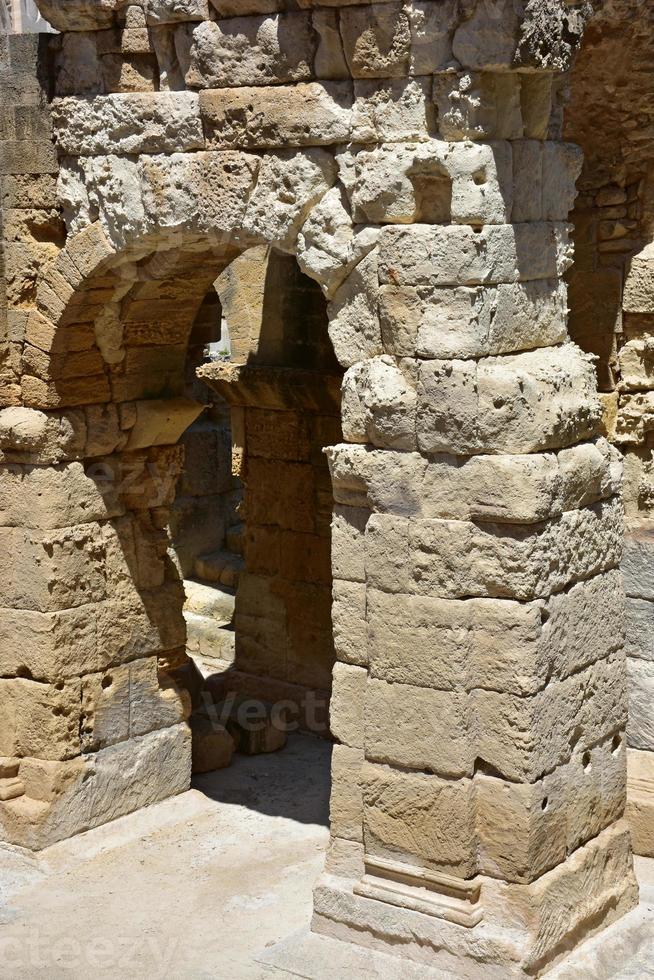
x=523, y=931
x=420, y=890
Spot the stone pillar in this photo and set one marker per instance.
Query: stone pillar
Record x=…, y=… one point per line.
x=480, y=692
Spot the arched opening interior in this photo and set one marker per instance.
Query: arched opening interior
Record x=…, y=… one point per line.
x=252, y=516
x=245, y=518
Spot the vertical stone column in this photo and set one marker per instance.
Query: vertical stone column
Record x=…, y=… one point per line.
x=480, y=699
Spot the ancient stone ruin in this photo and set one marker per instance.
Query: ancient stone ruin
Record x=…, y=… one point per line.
x=328, y=372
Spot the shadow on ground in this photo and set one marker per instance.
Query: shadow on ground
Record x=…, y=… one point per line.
x=293, y=783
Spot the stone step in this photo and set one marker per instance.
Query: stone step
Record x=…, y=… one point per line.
x=209, y=600
x=209, y=641
x=219, y=566
x=234, y=538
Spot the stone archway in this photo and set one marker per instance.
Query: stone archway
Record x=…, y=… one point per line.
x=477, y=529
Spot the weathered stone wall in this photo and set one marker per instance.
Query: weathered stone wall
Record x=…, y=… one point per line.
x=409, y=155
x=611, y=116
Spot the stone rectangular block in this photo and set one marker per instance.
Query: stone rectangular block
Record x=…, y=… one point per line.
x=50, y=570
x=637, y=563
x=472, y=321
x=525, y=829
x=457, y=255
x=640, y=800
x=519, y=403
x=135, y=122
x=40, y=720
x=346, y=707
x=639, y=625
x=522, y=738
x=115, y=781
x=640, y=730
x=311, y=114
x=348, y=549
x=419, y=819
x=349, y=622
x=457, y=644
x=419, y=728
x=456, y=559
x=346, y=801
x=243, y=51
x=376, y=40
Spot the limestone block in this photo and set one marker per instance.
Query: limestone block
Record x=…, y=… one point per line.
x=421, y=819
x=288, y=186
x=562, y=163
x=349, y=622
x=637, y=567
x=46, y=781
x=640, y=801
x=163, y=122
x=312, y=114
x=49, y=570
x=346, y=802
x=418, y=728
x=203, y=190
x=379, y=404
x=38, y=644
x=345, y=858
x=640, y=730
x=156, y=701
x=520, y=403
x=528, y=180
x=584, y=623
x=251, y=51
x=346, y=704
x=376, y=40
x=446, y=644
x=78, y=15
x=49, y=497
x=329, y=245
x=348, y=554
x=105, y=709
x=144, y=623
x=514, y=488
x=170, y=11
x=488, y=40
x=639, y=623
x=391, y=110
x=523, y=738
x=563, y=376
x=491, y=560
x=160, y=423
x=329, y=61
x=639, y=284
x=354, y=327
x=40, y=719
x=521, y=834
x=78, y=67
x=433, y=255
x=431, y=35
x=213, y=746
x=636, y=365
x=482, y=191
x=434, y=182
x=635, y=418
x=115, y=781
x=479, y=105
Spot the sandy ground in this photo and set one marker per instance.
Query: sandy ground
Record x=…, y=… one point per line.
x=193, y=887
x=207, y=884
